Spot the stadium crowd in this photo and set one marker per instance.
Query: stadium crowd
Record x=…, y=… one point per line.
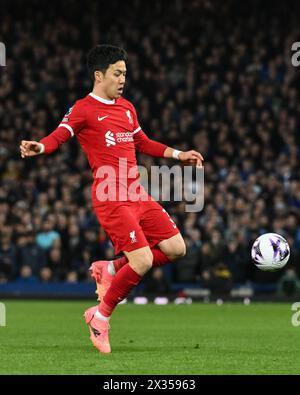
x=203, y=75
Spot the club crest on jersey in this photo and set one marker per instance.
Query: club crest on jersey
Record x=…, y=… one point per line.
x=128, y=113
x=132, y=237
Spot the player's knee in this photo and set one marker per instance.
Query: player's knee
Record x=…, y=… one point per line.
x=179, y=249
x=142, y=263
x=147, y=260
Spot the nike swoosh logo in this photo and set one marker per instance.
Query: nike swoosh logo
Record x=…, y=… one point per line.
x=101, y=118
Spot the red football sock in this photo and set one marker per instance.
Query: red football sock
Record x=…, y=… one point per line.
x=124, y=281
x=118, y=263
x=159, y=259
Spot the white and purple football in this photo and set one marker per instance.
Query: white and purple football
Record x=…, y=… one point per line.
x=270, y=252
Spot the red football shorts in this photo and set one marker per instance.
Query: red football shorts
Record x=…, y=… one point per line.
x=133, y=225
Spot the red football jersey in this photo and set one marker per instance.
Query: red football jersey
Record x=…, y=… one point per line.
x=108, y=131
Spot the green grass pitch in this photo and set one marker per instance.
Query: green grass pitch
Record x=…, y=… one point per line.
x=50, y=337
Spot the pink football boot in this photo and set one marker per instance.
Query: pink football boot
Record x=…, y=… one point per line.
x=102, y=277
x=98, y=330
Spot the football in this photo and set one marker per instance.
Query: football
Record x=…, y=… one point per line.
x=270, y=252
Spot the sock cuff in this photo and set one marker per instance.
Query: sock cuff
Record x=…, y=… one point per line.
x=111, y=268
x=101, y=317
x=103, y=311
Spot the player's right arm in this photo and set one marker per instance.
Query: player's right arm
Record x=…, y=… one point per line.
x=30, y=148
x=71, y=124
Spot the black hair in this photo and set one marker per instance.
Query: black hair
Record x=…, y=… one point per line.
x=101, y=56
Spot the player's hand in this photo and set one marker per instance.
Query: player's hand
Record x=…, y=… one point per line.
x=30, y=148
x=191, y=158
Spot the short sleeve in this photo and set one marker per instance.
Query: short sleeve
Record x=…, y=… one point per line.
x=74, y=120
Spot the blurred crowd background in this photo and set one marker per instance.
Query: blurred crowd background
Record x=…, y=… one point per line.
x=207, y=75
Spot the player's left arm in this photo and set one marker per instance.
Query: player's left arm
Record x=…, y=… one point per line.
x=191, y=157
x=154, y=148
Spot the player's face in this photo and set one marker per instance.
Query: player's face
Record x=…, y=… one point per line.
x=114, y=79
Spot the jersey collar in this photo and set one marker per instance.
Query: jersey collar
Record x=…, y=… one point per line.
x=105, y=101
